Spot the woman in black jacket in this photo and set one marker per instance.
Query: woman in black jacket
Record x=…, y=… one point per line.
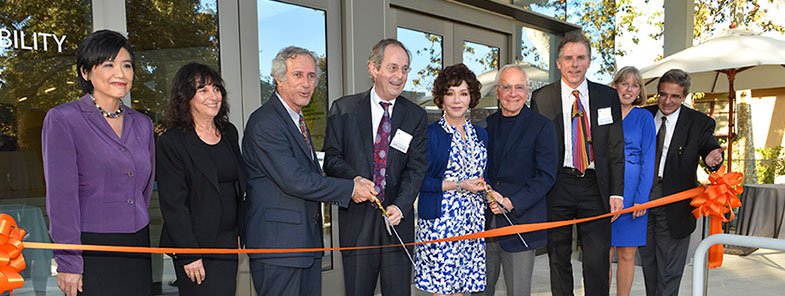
x=200, y=181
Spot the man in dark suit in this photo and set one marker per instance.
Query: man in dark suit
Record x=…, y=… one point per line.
x=522, y=164
x=286, y=185
x=378, y=135
x=684, y=135
x=590, y=179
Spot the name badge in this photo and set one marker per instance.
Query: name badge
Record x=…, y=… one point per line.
x=401, y=141
x=604, y=116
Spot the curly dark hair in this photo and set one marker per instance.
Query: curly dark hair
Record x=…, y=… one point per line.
x=186, y=82
x=453, y=76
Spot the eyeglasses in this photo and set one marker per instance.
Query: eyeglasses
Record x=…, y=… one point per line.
x=673, y=97
x=395, y=68
x=519, y=88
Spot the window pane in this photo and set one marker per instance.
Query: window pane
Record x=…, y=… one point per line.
x=282, y=25
x=426, y=49
x=535, y=56
x=167, y=35
x=483, y=60
x=38, y=40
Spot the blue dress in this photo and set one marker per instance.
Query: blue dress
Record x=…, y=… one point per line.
x=455, y=267
x=639, y=151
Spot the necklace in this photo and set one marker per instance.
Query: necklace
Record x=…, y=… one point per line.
x=111, y=115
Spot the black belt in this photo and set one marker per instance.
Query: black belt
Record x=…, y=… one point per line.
x=575, y=173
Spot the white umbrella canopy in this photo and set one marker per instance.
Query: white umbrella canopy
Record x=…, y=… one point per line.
x=759, y=61
x=738, y=57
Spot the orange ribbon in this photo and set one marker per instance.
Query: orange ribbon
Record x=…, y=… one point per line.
x=509, y=230
x=720, y=197
x=11, y=260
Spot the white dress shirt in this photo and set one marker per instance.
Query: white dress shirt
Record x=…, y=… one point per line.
x=377, y=111
x=567, y=99
x=669, y=128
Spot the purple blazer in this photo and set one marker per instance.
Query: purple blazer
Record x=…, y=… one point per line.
x=95, y=181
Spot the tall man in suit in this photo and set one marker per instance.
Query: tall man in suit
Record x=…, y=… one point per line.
x=379, y=135
x=521, y=169
x=684, y=135
x=286, y=185
x=590, y=179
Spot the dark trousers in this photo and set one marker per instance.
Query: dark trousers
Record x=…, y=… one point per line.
x=274, y=280
x=663, y=257
x=107, y=273
x=220, y=276
x=390, y=266
x=578, y=197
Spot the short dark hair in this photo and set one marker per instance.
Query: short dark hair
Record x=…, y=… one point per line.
x=574, y=37
x=100, y=46
x=677, y=76
x=453, y=76
x=377, y=52
x=187, y=80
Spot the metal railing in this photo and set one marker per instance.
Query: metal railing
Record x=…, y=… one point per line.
x=699, y=268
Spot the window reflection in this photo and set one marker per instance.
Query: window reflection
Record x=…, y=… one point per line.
x=34, y=77
x=282, y=25
x=483, y=60
x=426, y=62
x=167, y=35
x=535, y=56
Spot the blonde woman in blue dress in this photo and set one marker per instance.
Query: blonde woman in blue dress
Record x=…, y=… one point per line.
x=452, y=198
x=628, y=231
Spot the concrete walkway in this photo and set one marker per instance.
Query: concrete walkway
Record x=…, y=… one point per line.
x=761, y=273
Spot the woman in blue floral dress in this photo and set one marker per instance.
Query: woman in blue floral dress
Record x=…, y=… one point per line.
x=452, y=198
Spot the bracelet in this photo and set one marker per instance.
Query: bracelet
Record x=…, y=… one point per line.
x=458, y=186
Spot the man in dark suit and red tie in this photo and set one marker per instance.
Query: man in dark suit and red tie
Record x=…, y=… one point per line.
x=378, y=135
x=286, y=185
x=590, y=178
x=683, y=137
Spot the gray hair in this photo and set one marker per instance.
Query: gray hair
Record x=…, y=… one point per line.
x=676, y=76
x=377, y=52
x=279, y=62
x=513, y=66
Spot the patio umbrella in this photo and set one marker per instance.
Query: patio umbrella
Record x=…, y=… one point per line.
x=737, y=58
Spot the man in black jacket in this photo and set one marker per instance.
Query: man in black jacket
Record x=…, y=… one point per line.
x=684, y=135
x=590, y=178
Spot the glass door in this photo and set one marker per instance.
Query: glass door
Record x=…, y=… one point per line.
x=436, y=43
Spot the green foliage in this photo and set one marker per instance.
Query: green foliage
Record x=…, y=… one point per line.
x=771, y=164
x=711, y=14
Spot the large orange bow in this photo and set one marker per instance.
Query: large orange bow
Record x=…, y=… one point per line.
x=720, y=197
x=11, y=260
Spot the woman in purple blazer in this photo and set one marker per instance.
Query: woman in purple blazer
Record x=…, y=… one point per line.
x=98, y=162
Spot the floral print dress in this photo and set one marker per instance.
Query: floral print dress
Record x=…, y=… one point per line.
x=455, y=267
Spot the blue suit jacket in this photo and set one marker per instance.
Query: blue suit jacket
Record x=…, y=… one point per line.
x=429, y=204
x=285, y=187
x=524, y=170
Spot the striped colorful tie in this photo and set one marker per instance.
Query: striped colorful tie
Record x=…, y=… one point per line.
x=582, y=153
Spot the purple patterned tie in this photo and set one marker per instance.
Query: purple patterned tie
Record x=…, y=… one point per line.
x=304, y=131
x=381, y=145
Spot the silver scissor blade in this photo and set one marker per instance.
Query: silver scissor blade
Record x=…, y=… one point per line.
x=387, y=220
x=519, y=235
